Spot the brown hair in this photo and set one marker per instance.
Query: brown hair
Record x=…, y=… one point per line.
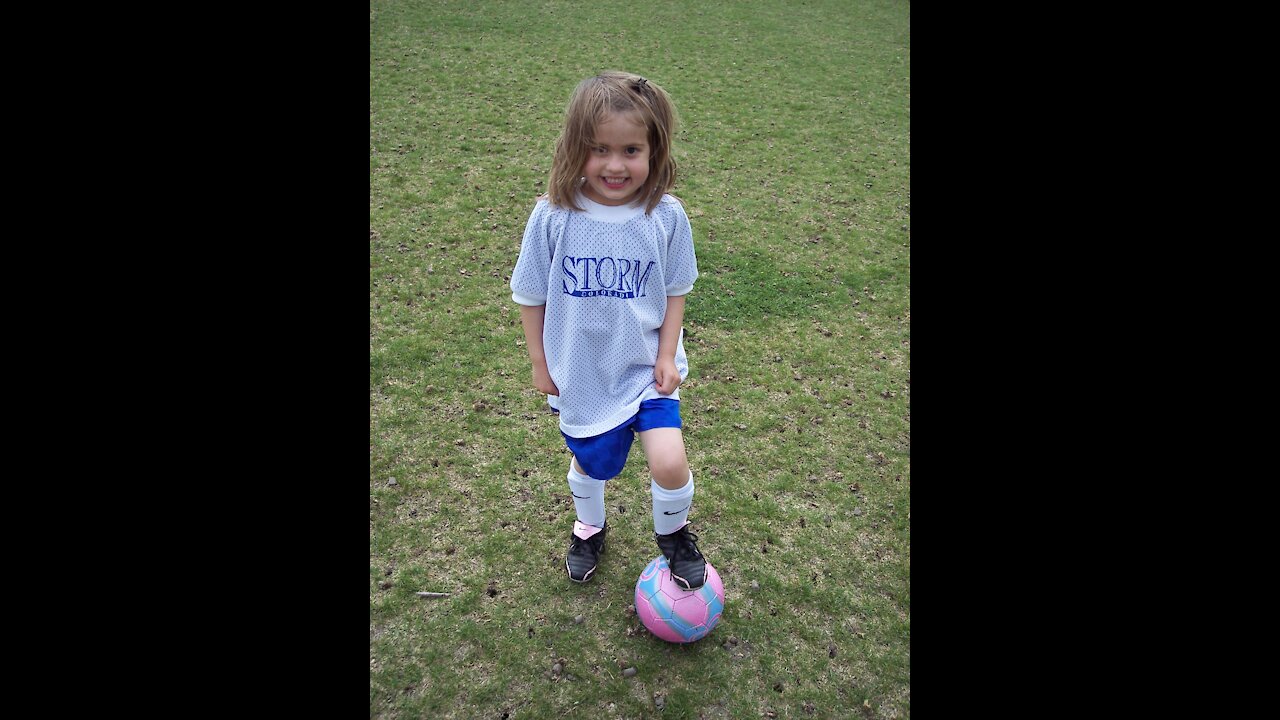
x=595, y=99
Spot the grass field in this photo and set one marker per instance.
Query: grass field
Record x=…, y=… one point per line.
x=795, y=172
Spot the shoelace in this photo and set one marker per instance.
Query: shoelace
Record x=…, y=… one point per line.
x=686, y=548
x=576, y=544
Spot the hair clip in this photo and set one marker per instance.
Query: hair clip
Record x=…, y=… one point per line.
x=641, y=83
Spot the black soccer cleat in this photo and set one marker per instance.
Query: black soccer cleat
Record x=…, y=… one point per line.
x=584, y=555
x=688, y=567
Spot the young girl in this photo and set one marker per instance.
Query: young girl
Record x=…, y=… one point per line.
x=604, y=266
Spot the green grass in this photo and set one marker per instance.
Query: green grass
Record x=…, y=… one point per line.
x=795, y=172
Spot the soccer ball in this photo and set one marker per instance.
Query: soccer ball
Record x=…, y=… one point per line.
x=673, y=613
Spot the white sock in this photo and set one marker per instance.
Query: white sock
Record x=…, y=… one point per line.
x=670, y=507
x=588, y=497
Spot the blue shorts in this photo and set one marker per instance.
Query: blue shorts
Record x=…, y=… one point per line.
x=603, y=456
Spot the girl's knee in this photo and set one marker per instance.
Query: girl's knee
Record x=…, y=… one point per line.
x=671, y=473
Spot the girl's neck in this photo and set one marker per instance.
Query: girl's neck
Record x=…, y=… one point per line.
x=609, y=213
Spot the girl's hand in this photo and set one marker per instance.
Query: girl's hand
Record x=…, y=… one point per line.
x=543, y=382
x=667, y=375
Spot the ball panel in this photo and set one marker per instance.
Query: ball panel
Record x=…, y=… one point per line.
x=692, y=609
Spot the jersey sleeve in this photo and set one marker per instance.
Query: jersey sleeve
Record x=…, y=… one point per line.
x=533, y=267
x=682, y=263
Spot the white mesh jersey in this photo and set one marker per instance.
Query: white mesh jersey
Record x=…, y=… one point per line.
x=604, y=275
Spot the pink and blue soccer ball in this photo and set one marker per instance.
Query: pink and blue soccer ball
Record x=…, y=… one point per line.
x=673, y=613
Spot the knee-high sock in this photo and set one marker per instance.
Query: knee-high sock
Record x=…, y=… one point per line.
x=670, y=507
x=588, y=497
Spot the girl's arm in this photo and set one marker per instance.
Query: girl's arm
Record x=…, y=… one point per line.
x=531, y=317
x=665, y=371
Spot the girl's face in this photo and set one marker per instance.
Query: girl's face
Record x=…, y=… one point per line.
x=618, y=164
